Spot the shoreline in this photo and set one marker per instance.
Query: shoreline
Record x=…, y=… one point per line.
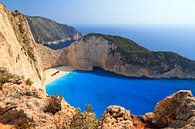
x=53, y=74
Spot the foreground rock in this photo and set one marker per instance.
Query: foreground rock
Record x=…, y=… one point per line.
x=176, y=111
x=23, y=106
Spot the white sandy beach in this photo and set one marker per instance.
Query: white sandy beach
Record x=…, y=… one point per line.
x=55, y=73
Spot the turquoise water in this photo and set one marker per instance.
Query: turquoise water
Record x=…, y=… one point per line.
x=101, y=89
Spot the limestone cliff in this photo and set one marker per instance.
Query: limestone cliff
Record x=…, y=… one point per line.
x=51, y=58
x=17, y=47
x=121, y=56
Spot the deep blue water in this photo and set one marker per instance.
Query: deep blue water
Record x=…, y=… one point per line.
x=101, y=89
x=179, y=39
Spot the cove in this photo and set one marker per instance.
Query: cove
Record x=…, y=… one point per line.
x=101, y=89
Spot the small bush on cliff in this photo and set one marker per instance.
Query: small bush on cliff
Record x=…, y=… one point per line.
x=30, y=54
x=5, y=76
x=124, y=44
x=84, y=120
x=29, y=82
x=88, y=108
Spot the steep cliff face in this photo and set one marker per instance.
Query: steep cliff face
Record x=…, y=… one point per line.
x=125, y=57
x=17, y=47
x=48, y=31
x=52, y=58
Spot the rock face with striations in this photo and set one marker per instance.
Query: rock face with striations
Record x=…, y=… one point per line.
x=48, y=31
x=17, y=47
x=176, y=111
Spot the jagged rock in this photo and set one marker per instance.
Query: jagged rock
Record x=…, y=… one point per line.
x=176, y=111
x=116, y=117
x=22, y=105
x=53, y=104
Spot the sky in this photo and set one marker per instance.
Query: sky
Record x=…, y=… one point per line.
x=78, y=12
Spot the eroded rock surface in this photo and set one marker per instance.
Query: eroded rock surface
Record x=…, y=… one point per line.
x=23, y=106
x=176, y=111
x=116, y=117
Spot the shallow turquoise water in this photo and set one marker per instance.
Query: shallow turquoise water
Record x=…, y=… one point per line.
x=101, y=89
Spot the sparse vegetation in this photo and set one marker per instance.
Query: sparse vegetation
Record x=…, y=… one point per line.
x=88, y=108
x=28, y=82
x=123, y=44
x=84, y=120
x=30, y=54
x=5, y=76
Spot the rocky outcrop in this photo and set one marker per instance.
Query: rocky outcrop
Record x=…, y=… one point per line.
x=116, y=117
x=23, y=106
x=17, y=47
x=48, y=31
x=176, y=111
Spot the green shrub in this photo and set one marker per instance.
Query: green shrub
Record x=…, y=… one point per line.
x=125, y=44
x=29, y=82
x=5, y=76
x=30, y=54
x=88, y=108
x=84, y=120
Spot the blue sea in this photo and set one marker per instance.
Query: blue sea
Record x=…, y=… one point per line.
x=101, y=89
